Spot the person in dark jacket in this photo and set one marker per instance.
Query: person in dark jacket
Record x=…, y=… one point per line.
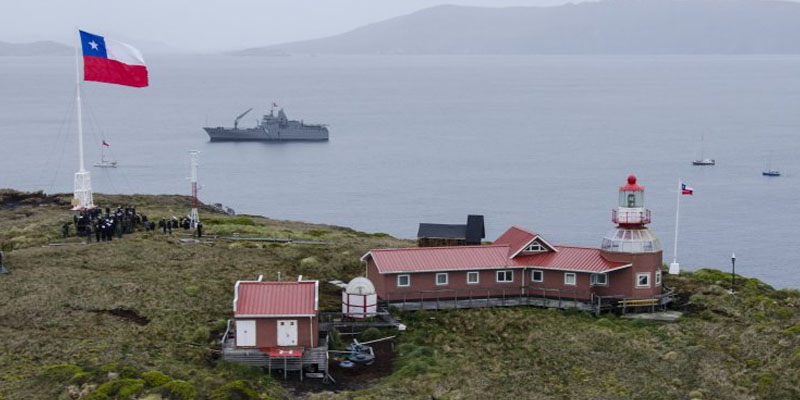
x=199, y=229
x=65, y=230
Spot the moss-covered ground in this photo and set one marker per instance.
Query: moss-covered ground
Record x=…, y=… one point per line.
x=140, y=318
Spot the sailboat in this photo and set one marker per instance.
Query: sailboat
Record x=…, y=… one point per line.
x=769, y=171
x=103, y=163
x=702, y=160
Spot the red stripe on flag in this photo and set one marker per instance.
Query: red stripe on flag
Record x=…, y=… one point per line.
x=100, y=69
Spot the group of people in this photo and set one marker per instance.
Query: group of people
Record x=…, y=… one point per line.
x=105, y=226
x=167, y=225
x=124, y=220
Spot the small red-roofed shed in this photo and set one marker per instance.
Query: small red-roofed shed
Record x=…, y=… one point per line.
x=276, y=315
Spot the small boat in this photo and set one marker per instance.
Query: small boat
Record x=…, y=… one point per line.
x=702, y=160
x=769, y=171
x=103, y=163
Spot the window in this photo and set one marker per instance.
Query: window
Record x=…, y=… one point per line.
x=643, y=280
x=658, y=278
x=505, y=276
x=569, y=279
x=473, y=278
x=537, y=276
x=403, y=280
x=441, y=279
x=535, y=246
x=599, y=280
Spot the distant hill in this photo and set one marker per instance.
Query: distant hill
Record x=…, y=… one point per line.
x=606, y=27
x=42, y=48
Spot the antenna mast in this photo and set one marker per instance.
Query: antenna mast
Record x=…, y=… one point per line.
x=194, y=217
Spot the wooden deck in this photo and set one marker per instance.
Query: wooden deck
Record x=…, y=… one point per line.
x=330, y=320
x=491, y=302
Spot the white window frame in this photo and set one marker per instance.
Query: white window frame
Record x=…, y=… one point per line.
x=407, y=276
x=535, y=246
x=647, y=274
x=574, y=279
x=658, y=278
x=593, y=280
x=533, y=274
x=477, y=277
x=446, y=279
x=505, y=272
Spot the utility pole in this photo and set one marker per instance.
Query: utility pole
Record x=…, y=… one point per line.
x=733, y=273
x=194, y=217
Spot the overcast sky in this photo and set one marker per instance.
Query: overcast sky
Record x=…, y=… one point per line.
x=210, y=25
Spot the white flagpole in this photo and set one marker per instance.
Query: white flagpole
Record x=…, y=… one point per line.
x=674, y=267
x=83, y=179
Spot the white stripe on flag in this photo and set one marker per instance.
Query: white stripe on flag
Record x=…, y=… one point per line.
x=123, y=52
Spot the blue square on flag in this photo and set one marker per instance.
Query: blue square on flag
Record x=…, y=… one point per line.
x=93, y=45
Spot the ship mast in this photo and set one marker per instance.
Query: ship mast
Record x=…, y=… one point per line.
x=83, y=179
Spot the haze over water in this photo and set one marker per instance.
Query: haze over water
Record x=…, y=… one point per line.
x=538, y=141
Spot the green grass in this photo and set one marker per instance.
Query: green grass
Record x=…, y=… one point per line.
x=57, y=334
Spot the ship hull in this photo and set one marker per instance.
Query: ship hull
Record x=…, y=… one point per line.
x=273, y=135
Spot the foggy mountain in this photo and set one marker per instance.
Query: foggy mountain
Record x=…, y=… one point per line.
x=42, y=48
x=606, y=27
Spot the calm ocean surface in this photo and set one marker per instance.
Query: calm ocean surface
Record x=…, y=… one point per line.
x=538, y=141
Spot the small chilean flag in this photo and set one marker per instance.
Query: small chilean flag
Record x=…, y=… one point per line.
x=106, y=143
x=686, y=190
x=109, y=61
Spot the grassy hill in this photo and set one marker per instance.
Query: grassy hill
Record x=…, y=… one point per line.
x=141, y=316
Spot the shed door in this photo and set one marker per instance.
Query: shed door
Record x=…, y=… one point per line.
x=246, y=333
x=287, y=332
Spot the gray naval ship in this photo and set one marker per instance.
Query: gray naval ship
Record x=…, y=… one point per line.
x=271, y=127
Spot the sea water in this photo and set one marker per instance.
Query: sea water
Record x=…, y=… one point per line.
x=542, y=142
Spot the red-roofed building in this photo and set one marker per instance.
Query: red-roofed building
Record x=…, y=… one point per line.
x=522, y=264
x=269, y=315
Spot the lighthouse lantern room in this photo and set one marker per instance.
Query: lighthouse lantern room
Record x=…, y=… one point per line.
x=631, y=235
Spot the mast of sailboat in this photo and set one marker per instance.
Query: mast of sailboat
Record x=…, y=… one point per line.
x=83, y=179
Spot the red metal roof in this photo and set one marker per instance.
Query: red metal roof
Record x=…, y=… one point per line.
x=516, y=239
x=496, y=256
x=420, y=259
x=569, y=258
x=275, y=298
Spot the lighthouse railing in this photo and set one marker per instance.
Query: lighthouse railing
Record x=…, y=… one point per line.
x=630, y=216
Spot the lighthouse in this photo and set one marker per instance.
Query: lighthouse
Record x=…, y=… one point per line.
x=631, y=234
x=632, y=242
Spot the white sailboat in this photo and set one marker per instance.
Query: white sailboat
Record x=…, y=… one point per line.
x=703, y=160
x=103, y=163
x=769, y=171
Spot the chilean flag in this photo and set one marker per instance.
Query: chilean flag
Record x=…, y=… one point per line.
x=686, y=190
x=107, y=60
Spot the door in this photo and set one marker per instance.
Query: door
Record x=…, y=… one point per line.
x=246, y=333
x=287, y=332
